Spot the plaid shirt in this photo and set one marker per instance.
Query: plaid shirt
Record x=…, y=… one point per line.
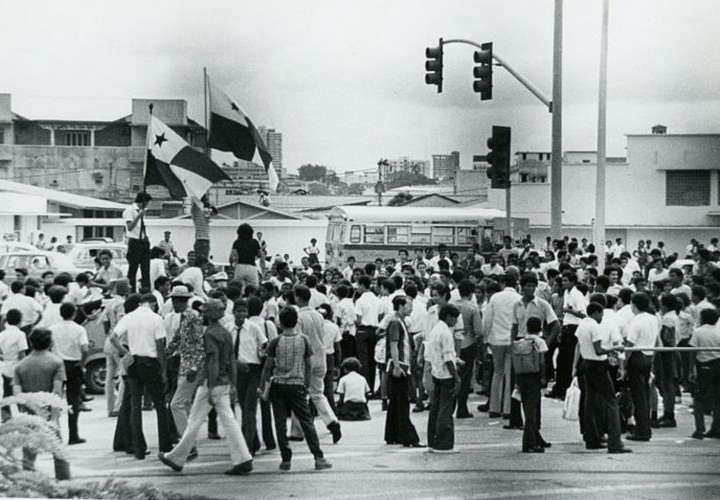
x=188, y=343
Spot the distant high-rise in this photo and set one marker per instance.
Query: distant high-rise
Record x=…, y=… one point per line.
x=444, y=166
x=273, y=141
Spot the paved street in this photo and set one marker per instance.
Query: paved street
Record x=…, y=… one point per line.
x=489, y=465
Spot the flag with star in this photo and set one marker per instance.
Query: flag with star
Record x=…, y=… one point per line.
x=231, y=130
x=174, y=164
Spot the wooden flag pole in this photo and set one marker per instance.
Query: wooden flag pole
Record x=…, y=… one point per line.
x=143, y=233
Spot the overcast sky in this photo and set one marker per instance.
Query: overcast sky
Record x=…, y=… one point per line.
x=344, y=80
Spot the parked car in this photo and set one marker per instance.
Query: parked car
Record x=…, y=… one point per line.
x=36, y=263
x=95, y=370
x=83, y=254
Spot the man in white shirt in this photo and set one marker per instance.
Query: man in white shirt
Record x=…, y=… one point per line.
x=493, y=267
x=497, y=323
x=30, y=309
x=642, y=332
x=13, y=345
x=316, y=298
x=574, y=305
x=446, y=381
x=138, y=253
x=676, y=277
x=70, y=343
x=367, y=308
x=145, y=335
x=349, y=269
x=600, y=402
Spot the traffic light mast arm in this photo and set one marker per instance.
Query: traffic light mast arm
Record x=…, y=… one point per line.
x=528, y=85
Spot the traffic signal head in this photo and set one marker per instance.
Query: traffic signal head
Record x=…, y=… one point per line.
x=434, y=66
x=499, y=158
x=483, y=72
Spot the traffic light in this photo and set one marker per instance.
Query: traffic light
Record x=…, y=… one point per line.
x=499, y=158
x=434, y=66
x=483, y=73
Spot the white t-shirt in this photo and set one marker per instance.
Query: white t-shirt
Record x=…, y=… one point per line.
x=655, y=275
x=368, y=308
x=331, y=335
x=643, y=331
x=353, y=387
x=575, y=300
x=68, y=340
x=28, y=307
x=128, y=215
x=142, y=328
x=252, y=337
x=51, y=316
x=13, y=341
x=588, y=332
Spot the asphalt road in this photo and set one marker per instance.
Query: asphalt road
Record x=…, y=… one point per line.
x=489, y=464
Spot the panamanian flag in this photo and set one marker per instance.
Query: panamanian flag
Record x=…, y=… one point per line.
x=173, y=163
x=231, y=130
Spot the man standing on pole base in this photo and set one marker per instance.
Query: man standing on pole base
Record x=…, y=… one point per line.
x=138, y=253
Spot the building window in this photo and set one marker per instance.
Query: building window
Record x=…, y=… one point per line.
x=398, y=234
x=687, y=188
x=374, y=234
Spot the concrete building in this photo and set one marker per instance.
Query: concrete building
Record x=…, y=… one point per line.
x=444, y=166
x=102, y=159
x=405, y=164
x=273, y=141
x=365, y=177
x=668, y=189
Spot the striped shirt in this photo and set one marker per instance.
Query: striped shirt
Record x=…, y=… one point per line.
x=291, y=353
x=201, y=220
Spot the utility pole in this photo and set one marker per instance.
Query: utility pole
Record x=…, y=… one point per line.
x=556, y=165
x=379, y=187
x=599, y=233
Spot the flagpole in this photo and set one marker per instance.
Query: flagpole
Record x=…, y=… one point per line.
x=144, y=185
x=206, y=97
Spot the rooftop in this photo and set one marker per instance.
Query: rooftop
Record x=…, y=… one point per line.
x=60, y=197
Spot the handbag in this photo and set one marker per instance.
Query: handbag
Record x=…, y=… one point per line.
x=571, y=406
x=525, y=357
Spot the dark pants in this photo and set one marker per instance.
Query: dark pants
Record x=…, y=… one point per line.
x=248, y=380
x=73, y=394
x=138, y=255
x=122, y=441
x=267, y=424
x=347, y=346
x=285, y=399
x=172, y=369
x=686, y=361
x=665, y=373
x=468, y=356
x=441, y=428
x=399, y=429
x=202, y=247
x=417, y=379
x=707, y=396
x=145, y=372
x=566, y=355
x=638, y=374
x=600, y=405
x=552, y=346
x=329, y=380
x=530, y=387
x=365, y=340
x=7, y=392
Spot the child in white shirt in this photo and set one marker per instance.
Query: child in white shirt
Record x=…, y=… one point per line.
x=353, y=390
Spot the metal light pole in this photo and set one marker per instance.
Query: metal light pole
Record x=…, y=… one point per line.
x=556, y=165
x=599, y=233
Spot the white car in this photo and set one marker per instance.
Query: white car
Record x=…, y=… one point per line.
x=83, y=254
x=36, y=263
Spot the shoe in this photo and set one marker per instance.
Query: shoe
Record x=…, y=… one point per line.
x=77, y=441
x=537, y=449
x=321, y=464
x=419, y=408
x=464, y=414
x=483, y=408
x=285, y=465
x=214, y=435
x=334, y=428
x=192, y=455
x=295, y=438
x=384, y=405
x=169, y=463
x=494, y=414
x=635, y=437
x=84, y=408
x=595, y=446
x=414, y=445
x=619, y=450
x=137, y=455
x=697, y=435
x=667, y=423
x=113, y=414
x=242, y=469
x=510, y=426
x=712, y=434
x=545, y=444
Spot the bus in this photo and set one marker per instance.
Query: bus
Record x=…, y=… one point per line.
x=367, y=233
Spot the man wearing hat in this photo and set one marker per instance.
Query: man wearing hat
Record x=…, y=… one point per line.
x=186, y=354
x=215, y=384
x=218, y=280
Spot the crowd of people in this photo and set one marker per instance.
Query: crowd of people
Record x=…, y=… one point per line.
x=419, y=332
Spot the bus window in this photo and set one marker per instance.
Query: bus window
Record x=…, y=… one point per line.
x=374, y=234
x=464, y=236
x=355, y=234
x=398, y=234
x=442, y=235
x=420, y=235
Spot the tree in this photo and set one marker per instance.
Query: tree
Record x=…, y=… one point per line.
x=356, y=188
x=404, y=178
x=309, y=172
x=400, y=199
x=318, y=189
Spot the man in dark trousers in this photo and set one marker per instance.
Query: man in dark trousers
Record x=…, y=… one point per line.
x=138, y=253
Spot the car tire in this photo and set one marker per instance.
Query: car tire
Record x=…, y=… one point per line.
x=95, y=377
